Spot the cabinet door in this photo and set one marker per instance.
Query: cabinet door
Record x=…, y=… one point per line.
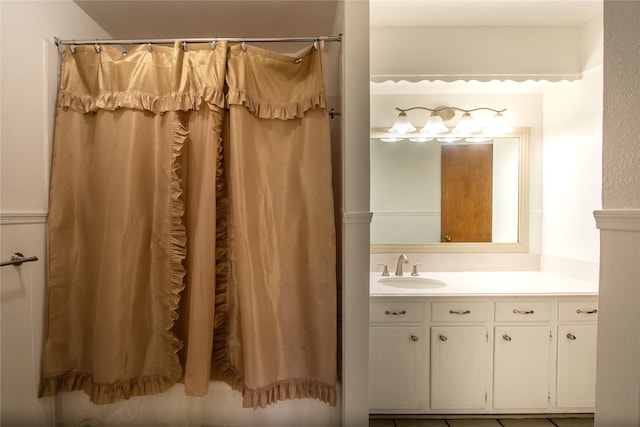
x=396, y=366
x=458, y=367
x=521, y=367
x=576, y=366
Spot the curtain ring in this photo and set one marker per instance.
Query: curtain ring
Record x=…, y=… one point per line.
x=149, y=47
x=184, y=46
x=213, y=44
x=244, y=46
x=97, y=48
x=72, y=48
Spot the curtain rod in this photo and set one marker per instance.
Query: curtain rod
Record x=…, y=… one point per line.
x=337, y=38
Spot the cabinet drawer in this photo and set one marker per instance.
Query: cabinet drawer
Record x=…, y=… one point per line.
x=396, y=312
x=522, y=311
x=458, y=311
x=572, y=311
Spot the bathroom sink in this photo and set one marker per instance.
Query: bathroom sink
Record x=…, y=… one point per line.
x=411, y=282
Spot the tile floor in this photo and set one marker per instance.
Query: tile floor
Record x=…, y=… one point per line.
x=500, y=422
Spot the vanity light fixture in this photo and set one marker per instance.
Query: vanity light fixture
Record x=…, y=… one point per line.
x=467, y=125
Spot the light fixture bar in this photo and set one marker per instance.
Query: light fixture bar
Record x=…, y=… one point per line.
x=466, y=126
x=438, y=109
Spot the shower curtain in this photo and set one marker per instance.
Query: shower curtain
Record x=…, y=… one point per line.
x=188, y=242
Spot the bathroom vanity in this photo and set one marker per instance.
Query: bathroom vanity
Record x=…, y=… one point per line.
x=482, y=342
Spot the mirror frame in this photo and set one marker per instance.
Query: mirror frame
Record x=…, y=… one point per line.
x=522, y=245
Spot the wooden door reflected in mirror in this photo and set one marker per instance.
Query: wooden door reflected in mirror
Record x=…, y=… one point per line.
x=467, y=188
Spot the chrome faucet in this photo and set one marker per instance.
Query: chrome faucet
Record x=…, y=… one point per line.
x=402, y=259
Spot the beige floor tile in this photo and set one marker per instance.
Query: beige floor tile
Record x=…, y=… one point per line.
x=381, y=423
x=473, y=423
x=531, y=422
x=421, y=423
x=573, y=422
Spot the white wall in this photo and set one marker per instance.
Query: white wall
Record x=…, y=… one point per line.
x=28, y=78
x=565, y=117
x=572, y=167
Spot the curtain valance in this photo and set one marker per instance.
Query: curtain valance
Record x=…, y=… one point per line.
x=158, y=80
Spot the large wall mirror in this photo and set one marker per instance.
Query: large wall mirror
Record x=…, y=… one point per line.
x=453, y=197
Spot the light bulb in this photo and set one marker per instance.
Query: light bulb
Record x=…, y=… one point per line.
x=467, y=125
x=498, y=125
x=434, y=126
x=402, y=124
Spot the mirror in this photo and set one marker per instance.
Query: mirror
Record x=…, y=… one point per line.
x=450, y=197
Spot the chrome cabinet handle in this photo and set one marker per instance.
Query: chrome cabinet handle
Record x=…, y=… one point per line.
x=443, y=338
x=395, y=313
x=459, y=312
x=414, y=338
x=17, y=258
x=587, y=312
x=522, y=311
x=571, y=336
x=506, y=337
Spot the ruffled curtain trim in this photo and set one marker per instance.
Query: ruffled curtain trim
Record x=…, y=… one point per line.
x=177, y=236
x=105, y=393
x=289, y=389
x=267, y=109
x=210, y=95
x=223, y=368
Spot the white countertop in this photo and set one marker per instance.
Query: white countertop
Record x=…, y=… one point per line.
x=489, y=283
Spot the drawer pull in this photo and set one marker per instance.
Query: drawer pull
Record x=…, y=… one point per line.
x=443, y=338
x=414, y=338
x=522, y=311
x=506, y=337
x=571, y=336
x=594, y=311
x=459, y=312
x=395, y=313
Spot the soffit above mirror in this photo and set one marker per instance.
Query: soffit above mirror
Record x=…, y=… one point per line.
x=424, y=87
x=411, y=13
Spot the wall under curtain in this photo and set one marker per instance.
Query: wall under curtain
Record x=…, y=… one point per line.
x=28, y=93
x=29, y=63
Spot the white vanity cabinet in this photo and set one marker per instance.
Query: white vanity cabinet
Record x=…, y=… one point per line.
x=482, y=354
x=522, y=362
x=397, y=356
x=576, y=354
x=459, y=355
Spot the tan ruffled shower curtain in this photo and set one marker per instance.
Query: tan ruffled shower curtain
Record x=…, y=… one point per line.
x=177, y=253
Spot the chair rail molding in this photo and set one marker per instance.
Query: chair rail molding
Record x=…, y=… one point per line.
x=356, y=217
x=33, y=217
x=618, y=219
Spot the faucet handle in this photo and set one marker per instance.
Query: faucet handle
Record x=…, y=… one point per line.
x=414, y=271
x=385, y=270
